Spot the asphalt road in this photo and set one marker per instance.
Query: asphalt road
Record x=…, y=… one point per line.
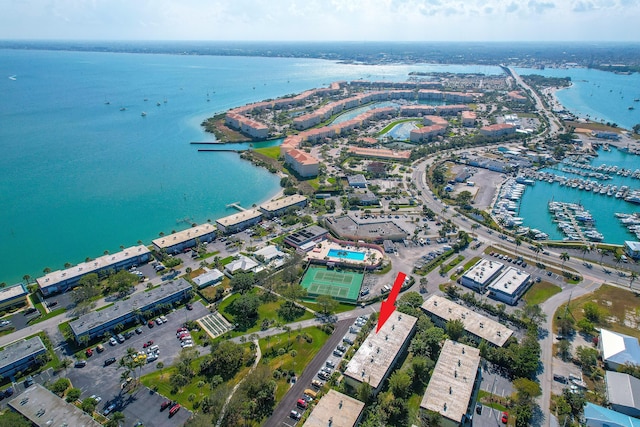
x=280, y=416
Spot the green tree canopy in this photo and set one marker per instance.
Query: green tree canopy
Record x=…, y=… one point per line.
x=242, y=282
x=225, y=360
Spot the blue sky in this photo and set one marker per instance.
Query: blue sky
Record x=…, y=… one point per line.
x=358, y=20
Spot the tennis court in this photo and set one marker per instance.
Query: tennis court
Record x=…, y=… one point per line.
x=341, y=285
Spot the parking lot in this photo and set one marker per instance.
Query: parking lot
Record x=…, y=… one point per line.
x=143, y=405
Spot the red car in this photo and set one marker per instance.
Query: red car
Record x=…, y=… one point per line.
x=505, y=417
x=150, y=323
x=181, y=330
x=302, y=403
x=147, y=344
x=175, y=408
x=164, y=405
x=89, y=352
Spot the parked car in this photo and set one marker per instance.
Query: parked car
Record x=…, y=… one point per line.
x=164, y=319
x=478, y=408
x=159, y=321
x=89, y=352
x=128, y=335
x=8, y=392
x=150, y=323
x=505, y=417
x=80, y=364
x=341, y=348
x=98, y=399
x=181, y=330
x=28, y=382
x=338, y=353
x=164, y=405
x=301, y=403
x=109, y=361
x=99, y=348
x=138, y=331
x=189, y=306
x=113, y=341
x=108, y=409
x=317, y=384
x=175, y=408
x=120, y=338
x=147, y=344
x=330, y=364
x=295, y=415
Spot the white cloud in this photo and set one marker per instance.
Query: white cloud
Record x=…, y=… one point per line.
x=319, y=19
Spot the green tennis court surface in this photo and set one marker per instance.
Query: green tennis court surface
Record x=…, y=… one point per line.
x=343, y=285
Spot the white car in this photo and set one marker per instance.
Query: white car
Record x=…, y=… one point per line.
x=187, y=346
x=159, y=321
x=187, y=343
x=164, y=319
x=113, y=341
x=98, y=399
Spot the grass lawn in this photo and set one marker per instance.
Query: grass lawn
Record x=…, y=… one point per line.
x=540, y=292
x=305, y=353
x=341, y=307
x=46, y=316
x=272, y=152
x=265, y=311
x=619, y=305
x=160, y=379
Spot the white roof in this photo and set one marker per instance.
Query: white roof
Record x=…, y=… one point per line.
x=269, y=252
x=243, y=263
x=510, y=281
x=451, y=385
x=377, y=353
x=12, y=292
x=483, y=271
x=634, y=246
x=283, y=203
x=208, y=277
x=239, y=217
x=183, y=236
x=619, y=348
x=83, y=268
x=342, y=410
x=475, y=323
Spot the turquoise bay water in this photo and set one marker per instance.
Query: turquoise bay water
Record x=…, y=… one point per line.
x=533, y=206
x=598, y=95
x=352, y=255
x=79, y=176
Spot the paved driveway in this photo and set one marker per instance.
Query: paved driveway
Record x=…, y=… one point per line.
x=105, y=381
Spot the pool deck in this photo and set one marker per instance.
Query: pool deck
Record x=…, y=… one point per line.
x=322, y=253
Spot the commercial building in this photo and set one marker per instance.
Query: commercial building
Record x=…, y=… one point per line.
x=618, y=349
x=477, y=326
x=453, y=387
x=598, y=416
x=308, y=235
x=468, y=118
x=336, y=410
x=62, y=280
x=177, y=242
x=623, y=393
x=499, y=129
x=510, y=285
x=280, y=206
x=211, y=277
x=44, y=409
x=302, y=163
x=239, y=221
x=481, y=274
x=357, y=181
x=97, y=323
x=632, y=249
x=12, y=296
x=19, y=356
x=380, y=351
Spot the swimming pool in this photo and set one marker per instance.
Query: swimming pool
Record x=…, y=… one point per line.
x=341, y=253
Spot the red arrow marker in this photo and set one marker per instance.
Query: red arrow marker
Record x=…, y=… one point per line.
x=389, y=305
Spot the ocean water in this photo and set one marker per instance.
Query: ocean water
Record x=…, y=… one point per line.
x=533, y=205
x=598, y=95
x=79, y=176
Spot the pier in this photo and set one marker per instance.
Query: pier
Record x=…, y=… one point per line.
x=236, y=205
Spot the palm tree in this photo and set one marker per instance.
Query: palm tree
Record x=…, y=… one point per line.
x=517, y=242
x=46, y=270
x=117, y=417
x=537, y=249
x=26, y=278
x=564, y=257
x=632, y=277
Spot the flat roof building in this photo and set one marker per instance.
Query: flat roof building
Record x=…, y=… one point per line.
x=97, y=323
x=280, y=206
x=477, y=326
x=313, y=233
x=44, y=409
x=61, y=280
x=239, y=221
x=19, y=356
x=623, y=393
x=177, y=242
x=336, y=410
x=12, y=296
x=618, y=349
x=357, y=181
x=452, y=386
x=481, y=274
x=510, y=285
x=379, y=352
x=632, y=249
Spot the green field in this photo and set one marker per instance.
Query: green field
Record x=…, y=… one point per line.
x=540, y=292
